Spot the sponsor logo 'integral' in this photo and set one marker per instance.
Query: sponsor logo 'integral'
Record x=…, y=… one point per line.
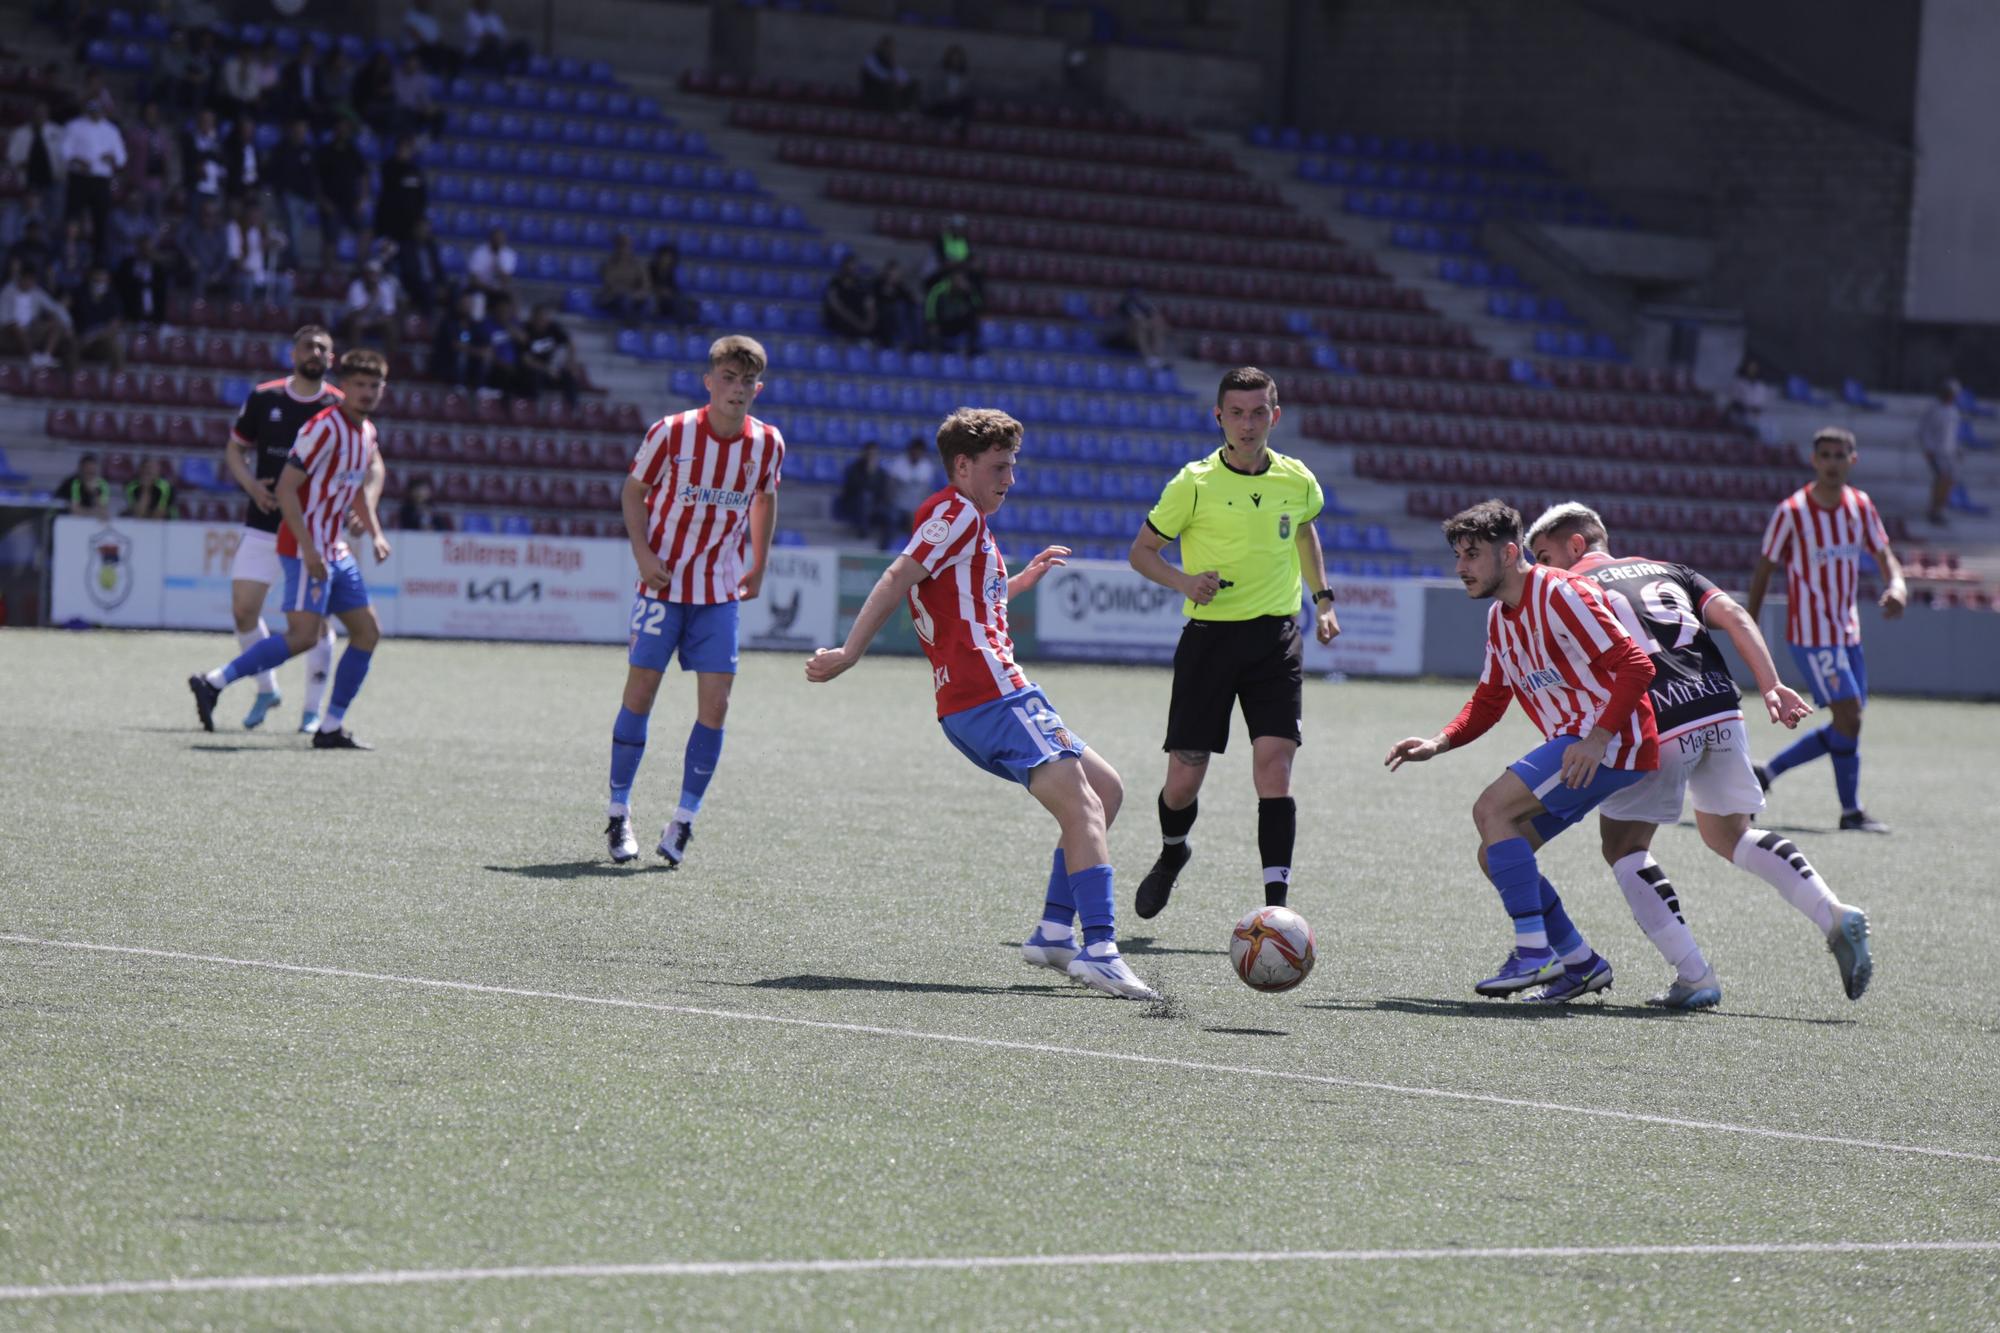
x=691, y=494
x=1081, y=596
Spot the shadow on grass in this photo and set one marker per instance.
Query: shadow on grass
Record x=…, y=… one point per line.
x=1249, y=1032
x=1435, y=1008
x=816, y=982
x=580, y=870
x=1139, y=944
x=246, y=749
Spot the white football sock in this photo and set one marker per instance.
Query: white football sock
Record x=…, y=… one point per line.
x=1650, y=895
x=1772, y=858
x=246, y=639
x=683, y=815
x=319, y=670
x=332, y=719
x=618, y=810
x=217, y=678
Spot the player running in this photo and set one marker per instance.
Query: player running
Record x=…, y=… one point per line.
x=333, y=464
x=1244, y=518
x=1670, y=611
x=703, y=487
x=266, y=428
x=955, y=580
x=1818, y=533
x=1552, y=642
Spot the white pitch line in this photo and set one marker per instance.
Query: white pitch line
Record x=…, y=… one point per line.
x=411, y=1277
x=1001, y=1044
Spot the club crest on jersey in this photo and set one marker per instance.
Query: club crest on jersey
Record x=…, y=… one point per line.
x=934, y=531
x=1284, y=526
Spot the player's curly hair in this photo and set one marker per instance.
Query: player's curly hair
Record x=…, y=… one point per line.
x=971, y=431
x=364, y=361
x=1494, y=522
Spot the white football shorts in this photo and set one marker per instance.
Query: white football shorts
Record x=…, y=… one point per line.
x=1711, y=760
x=256, y=559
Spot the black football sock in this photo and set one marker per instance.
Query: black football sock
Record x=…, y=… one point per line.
x=1277, y=830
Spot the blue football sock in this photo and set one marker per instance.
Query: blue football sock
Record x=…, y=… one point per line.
x=1510, y=864
x=628, y=747
x=1803, y=750
x=347, y=677
x=1060, y=908
x=1564, y=937
x=1846, y=752
x=704, y=748
x=1090, y=890
x=264, y=655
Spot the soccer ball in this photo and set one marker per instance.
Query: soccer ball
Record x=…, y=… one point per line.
x=1272, y=949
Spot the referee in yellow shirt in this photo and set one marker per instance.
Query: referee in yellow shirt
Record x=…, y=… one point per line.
x=1244, y=518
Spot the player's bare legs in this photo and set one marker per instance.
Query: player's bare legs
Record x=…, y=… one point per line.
x=1774, y=858
x=1277, y=813
x=1185, y=771
x=1070, y=789
x=641, y=688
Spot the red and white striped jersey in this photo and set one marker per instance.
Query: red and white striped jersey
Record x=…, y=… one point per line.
x=1820, y=549
x=699, y=506
x=1549, y=651
x=333, y=452
x=960, y=609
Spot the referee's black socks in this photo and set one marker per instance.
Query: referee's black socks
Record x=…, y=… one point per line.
x=1174, y=824
x=1277, y=830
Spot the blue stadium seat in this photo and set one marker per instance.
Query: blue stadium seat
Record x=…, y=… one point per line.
x=482, y=523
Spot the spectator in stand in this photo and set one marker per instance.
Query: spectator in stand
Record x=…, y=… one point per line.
x=154, y=167
x=847, y=307
x=426, y=39
x=180, y=75
x=489, y=272
x=67, y=268
x=150, y=494
x=914, y=476
x=35, y=152
x=951, y=314
x=257, y=251
x=293, y=174
x=96, y=90
x=95, y=153
x=99, y=319
x=202, y=156
x=951, y=99
x=420, y=270
x=1937, y=436
x=371, y=308
x=863, y=502
x=142, y=283
x=416, y=111
x=487, y=45
x=885, y=85
x=241, y=161
x=375, y=93
x=301, y=90
x=340, y=77
x=663, y=274
x=418, y=513
x=404, y=196
x=451, y=343
x=241, y=87
x=343, y=186
x=86, y=492
x=31, y=249
x=952, y=253
x=1749, y=395
x=548, y=357
x=204, y=247
x=623, y=288
x=1143, y=328
x=502, y=338
x=899, y=322
x=34, y=324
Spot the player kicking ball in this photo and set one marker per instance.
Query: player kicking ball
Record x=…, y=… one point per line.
x=955, y=581
x=1553, y=644
x=333, y=463
x=1673, y=613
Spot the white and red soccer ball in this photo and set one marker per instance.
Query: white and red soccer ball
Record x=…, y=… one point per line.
x=1272, y=949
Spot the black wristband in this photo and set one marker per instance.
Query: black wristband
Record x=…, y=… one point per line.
x=1323, y=595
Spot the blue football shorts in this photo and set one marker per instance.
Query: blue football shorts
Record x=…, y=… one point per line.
x=341, y=590
x=705, y=635
x=1562, y=804
x=1012, y=736
x=1834, y=673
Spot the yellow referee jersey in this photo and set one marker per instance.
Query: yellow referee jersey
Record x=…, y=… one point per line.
x=1243, y=525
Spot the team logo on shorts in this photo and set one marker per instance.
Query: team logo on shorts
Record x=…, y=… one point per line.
x=934, y=531
x=1284, y=526
x=1051, y=725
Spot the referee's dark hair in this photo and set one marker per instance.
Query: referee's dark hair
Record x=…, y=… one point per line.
x=1248, y=377
x=1494, y=522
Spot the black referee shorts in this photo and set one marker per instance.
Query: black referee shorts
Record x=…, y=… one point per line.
x=1260, y=663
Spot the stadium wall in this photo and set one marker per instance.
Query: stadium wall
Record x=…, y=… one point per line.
x=1809, y=211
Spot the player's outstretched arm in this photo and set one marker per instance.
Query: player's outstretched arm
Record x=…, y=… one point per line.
x=1414, y=750
x=888, y=593
x=1723, y=615
x=1046, y=559
x=632, y=502
x=1487, y=705
x=1146, y=558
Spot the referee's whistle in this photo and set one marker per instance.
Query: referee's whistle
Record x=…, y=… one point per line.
x=1224, y=583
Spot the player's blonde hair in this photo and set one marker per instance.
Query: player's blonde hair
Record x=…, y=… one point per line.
x=741, y=351
x=1838, y=434
x=1564, y=521
x=971, y=431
